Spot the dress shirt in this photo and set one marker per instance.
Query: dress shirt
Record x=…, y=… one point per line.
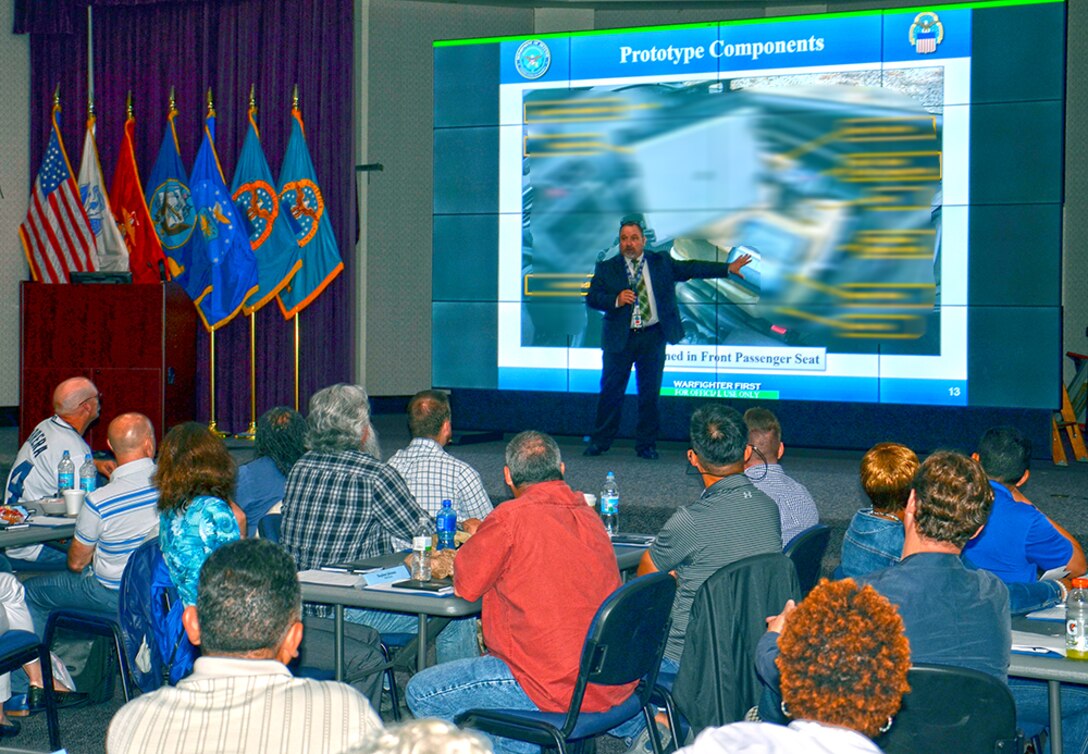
x=796, y=507
x=433, y=475
x=232, y=705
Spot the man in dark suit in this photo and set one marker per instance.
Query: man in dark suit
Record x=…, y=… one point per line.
x=636, y=290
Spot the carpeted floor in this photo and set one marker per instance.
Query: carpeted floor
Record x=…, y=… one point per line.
x=650, y=492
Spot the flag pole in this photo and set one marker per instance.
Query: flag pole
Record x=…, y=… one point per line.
x=296, y=361
x=251, y=432
x=211, y=374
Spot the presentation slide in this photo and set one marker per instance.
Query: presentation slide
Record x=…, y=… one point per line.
x=895, y=180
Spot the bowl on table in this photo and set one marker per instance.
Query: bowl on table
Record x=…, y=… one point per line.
x=50, y=506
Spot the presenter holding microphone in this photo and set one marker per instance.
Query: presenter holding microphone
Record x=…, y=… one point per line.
x=636, y=290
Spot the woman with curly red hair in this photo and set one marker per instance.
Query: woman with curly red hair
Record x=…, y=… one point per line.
x=844, y=661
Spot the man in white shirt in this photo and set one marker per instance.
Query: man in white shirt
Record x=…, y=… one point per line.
x=241, y=697
x=76, y=404
x=432, y=474
x=796, y=508
x=112, y=523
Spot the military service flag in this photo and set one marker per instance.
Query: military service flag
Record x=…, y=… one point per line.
x=302, y=202
x=109, y=245
x=222, y=261
x=171, y=207
x=273, y=241
x=145, y=257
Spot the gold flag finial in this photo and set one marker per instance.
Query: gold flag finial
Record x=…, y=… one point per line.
x=56, y=96
x=211, y=108
x=294, y=98
x=172, y=104
x=128, y=104
x=252, y=96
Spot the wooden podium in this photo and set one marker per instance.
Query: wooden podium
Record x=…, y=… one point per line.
x=137, y=343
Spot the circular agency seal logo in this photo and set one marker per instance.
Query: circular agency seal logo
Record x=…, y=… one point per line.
x=172, y=213
x=532, y=59
x=926, y=33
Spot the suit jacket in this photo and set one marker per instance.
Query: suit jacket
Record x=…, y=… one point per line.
x=610, y=277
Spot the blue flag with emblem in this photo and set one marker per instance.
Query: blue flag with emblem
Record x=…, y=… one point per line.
x=274, y=242
x=171, y=206
x=222, y=261
x=303, y=206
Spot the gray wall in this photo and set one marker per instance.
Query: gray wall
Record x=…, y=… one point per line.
x=397, y=216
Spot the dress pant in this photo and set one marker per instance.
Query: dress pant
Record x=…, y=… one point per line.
x=645, y=350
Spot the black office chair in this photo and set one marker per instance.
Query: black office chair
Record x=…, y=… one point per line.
x=17, y=648
x=953, y=709
x=625, y=642
x=806, y=550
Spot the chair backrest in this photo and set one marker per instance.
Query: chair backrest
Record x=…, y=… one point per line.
x=269, y=527
x=717, y=683
x=149, y=610
x=953, y=709
x=626, y=638
x=806, y=550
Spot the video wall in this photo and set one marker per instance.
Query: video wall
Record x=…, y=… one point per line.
x=896, y=177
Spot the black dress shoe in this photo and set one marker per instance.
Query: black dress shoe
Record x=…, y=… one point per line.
x=9, y=729
x=650, y=454
x=35, y=699
x=593, y=450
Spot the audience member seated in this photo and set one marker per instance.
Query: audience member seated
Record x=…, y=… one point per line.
x=195, y=478
x=342, y=504
x=279, y=443
x=432, y=474
x=952, y=615
x=427, y=736
x=112, y=523
x=542, y=563
x=241, y=697
x=76, y=405
x=834, y=706
x=796, y=507
x=874, y=539
x=14, y=616
x=1019, y=541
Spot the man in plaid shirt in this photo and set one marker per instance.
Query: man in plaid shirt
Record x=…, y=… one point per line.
x=432, y=474
x=342, y=503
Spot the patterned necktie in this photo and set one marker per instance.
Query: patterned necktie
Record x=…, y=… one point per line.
x=643, y=299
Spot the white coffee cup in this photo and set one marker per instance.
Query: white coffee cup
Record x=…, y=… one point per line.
x=73, y=501
x=591, y=499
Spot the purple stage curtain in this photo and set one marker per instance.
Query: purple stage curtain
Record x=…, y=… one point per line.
x=147, y=46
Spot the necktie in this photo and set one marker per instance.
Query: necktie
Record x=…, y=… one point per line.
x=643, y=299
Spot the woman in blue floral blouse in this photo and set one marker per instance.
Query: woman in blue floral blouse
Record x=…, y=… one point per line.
x=196, y=478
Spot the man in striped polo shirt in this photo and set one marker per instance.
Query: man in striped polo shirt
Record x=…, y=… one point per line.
x=111, y=524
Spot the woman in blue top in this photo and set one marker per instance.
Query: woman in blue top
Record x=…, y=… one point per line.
x=195, y=477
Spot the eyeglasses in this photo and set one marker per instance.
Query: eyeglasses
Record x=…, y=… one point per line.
x=95, y=397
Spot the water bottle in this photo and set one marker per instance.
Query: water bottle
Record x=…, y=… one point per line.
x=88, y=475
x=66, y=473
x=1076, y=621
x=446, y=521
x=421, y=563
x=610, y=504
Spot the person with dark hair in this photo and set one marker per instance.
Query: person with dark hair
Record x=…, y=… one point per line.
x=279, y=442
x=342, y=504
x=795, y=505
x=730, y=521
x=1019, y=541
x=874, y=539
x=241, y=697
x=432, y=474
x=636, y=290
x=833, y=707
x=542, y=563
x=195, y=477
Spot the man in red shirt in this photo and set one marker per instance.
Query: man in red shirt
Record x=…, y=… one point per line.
x=543, y=564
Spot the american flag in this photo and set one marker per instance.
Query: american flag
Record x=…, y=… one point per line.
x=56, y=234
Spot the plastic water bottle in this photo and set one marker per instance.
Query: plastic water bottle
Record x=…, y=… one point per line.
x=446, y=521
x=66, y=473
x=610, y=504
x=88, y=475
x=1076, y=621
x=421, y=563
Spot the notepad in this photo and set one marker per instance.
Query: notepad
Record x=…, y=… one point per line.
x=330, y=578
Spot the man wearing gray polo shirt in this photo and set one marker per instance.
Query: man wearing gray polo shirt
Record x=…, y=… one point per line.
x=112, y=523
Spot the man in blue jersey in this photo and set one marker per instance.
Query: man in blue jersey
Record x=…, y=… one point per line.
x=112, y=523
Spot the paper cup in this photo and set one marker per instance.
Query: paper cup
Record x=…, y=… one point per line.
x=73, y=501
x=591, y=499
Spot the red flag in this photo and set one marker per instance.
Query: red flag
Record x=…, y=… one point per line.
x=56, y=234
x=129, y=207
